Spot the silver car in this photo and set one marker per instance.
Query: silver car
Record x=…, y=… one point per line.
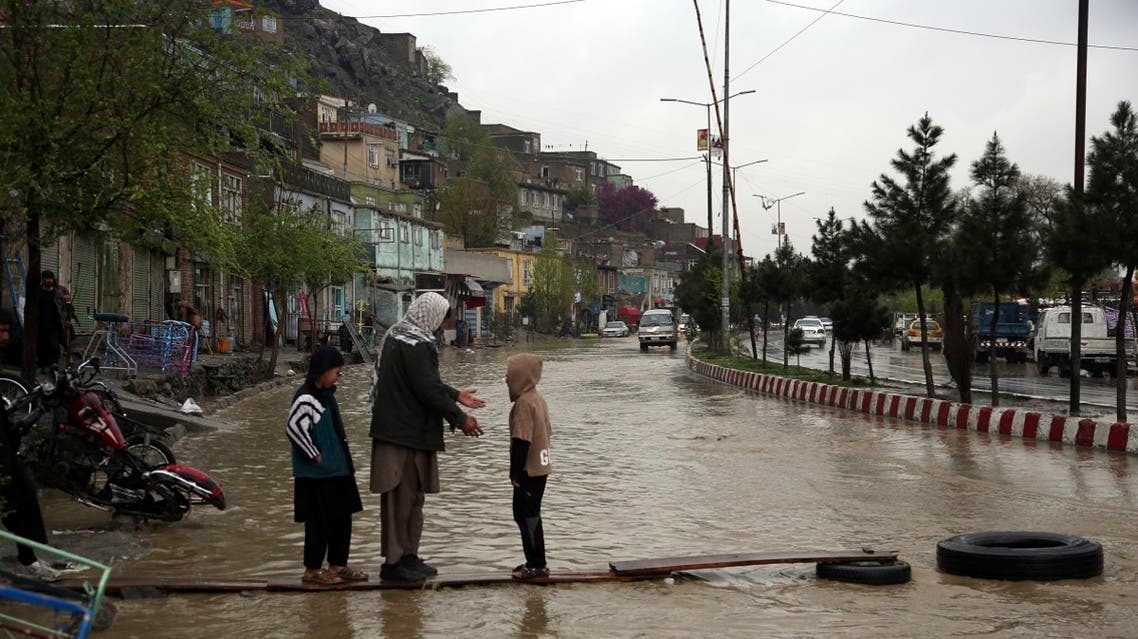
x=813, y=331
x=615, y=329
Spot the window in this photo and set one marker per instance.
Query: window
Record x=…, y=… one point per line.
x=525, y=146
x=339, y=221
x=418, y=210
x=545, y=171
x=231, y=197
x=391, y=159
x=337, y=300
x=369, y=200
x=403, y=233
x=418, y=235
x=269, y=23
x=527, y=275
x=436, y=240
x=580, y=174
x=201, y=179
x=373, y=155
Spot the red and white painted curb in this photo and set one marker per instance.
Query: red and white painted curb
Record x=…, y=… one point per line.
x=1014, y=422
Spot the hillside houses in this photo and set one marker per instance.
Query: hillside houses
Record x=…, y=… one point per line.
x=377, y=178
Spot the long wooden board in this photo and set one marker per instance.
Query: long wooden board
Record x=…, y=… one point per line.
x=620, y=571
x=669, y=565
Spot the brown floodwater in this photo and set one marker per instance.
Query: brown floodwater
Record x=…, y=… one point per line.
x=650, y=460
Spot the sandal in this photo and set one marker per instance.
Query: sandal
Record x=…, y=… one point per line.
x=527, y=573
x=348, y=573
x=322, y=578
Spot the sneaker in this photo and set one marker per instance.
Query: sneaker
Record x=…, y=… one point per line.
x=422, y=566
x=42, y=571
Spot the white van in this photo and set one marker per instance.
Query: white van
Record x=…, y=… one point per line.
x=657, y=328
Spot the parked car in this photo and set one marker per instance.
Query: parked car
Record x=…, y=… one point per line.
x=912, y=336
x=1052, y=342
x=813, y=331
x=615, y=329
x=827, y=323
x=657, y=328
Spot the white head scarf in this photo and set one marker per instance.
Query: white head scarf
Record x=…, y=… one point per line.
x=423, y=318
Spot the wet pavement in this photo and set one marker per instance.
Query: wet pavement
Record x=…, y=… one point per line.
x=650, y=460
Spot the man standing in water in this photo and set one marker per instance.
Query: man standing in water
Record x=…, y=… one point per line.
x=409, y=403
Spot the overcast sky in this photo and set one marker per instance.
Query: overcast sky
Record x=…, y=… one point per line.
x=831, y=107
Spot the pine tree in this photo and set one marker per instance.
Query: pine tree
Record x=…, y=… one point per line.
x=911, y=220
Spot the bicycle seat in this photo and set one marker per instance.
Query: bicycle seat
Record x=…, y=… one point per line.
x=111, y=317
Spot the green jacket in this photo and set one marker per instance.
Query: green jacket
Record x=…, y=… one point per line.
x=411, y=400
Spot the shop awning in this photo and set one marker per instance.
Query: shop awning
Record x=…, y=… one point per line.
x=474, y=288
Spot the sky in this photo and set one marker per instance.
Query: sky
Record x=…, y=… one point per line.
x=830, y=108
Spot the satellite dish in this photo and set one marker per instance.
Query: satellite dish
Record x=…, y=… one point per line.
x=371, y=108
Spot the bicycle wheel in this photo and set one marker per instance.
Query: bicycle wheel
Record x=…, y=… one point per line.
x=13, y=388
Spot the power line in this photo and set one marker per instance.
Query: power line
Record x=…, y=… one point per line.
x=464, y=11
x=788, y=40
x=949, y=30
x=690, y=157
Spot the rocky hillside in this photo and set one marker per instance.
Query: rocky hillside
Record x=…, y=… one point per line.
x=350, y=59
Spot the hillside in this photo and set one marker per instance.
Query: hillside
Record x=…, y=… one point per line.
x=348, y=59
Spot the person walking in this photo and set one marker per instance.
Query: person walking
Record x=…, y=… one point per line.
x=530, y=465
x=409, y=404
x=19, y=501
x=52, y=329
x=324, y=482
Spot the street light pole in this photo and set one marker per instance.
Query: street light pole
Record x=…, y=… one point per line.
x=725, y=300
x=707, y=107
x=768, y=203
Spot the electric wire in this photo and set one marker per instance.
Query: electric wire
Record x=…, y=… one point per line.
x=980, y=34
x=466, y=11
x=787, y=41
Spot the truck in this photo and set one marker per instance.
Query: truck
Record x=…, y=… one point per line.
x=1051, y=342
x=1013, y=331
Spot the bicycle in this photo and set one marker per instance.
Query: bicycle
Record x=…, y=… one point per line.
x=105, y=344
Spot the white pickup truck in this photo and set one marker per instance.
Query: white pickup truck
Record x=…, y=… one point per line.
x=1051, y=342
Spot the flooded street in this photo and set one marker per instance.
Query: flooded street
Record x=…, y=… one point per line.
x=651, y=460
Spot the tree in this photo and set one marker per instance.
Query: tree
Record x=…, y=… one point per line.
x=577, y=197
x=795, y=346
x=911, y=220
x=552, y=288
x=628, y=209
x=698, y=293
x=478, y=204
x=788, y=285
x=1113, y=188
x=438, y=70
x=858, y=317
x=829, y=270
x=99, y=109
x=329, y=258
x=996, y=240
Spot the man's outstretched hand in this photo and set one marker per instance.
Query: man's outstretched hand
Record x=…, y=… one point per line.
x=466, y=398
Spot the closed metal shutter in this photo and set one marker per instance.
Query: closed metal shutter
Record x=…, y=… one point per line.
x=158, y=288
x=140, y=292
x=84, y=260
x=49, y=258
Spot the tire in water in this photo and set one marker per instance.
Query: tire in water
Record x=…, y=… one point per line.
x=1020, y=556
x=872, y=573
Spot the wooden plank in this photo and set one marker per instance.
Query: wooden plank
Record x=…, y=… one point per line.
x=707, y=562
x=456, y=580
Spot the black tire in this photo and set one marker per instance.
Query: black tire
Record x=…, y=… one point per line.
x=982, y=357
x=151, y=452
x=672, y=346
x=1019, y=556
x=873, y=573
x=1042, y=364
x=643, y=348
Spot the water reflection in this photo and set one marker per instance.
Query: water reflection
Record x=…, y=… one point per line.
x=654, y=461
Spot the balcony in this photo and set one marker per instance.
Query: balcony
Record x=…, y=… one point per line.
x=356, y=130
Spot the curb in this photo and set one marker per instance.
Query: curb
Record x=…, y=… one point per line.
x=942, y=413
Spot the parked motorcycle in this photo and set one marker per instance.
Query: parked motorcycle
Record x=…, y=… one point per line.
x=78, y=447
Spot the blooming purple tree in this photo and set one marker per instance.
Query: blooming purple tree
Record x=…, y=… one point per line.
x=628, y=209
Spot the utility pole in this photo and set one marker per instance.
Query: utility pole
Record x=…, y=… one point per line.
x=725, y=300
x=1080, y=162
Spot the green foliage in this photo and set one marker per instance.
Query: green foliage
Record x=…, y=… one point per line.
x=699, y=291
x=1113, y=183
x=101, y=109
x=478, y=204
x=577, y=197
x=552, y=289
x=438, y=70
x=748, y=364
x=828, y=271
x=795, y=346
